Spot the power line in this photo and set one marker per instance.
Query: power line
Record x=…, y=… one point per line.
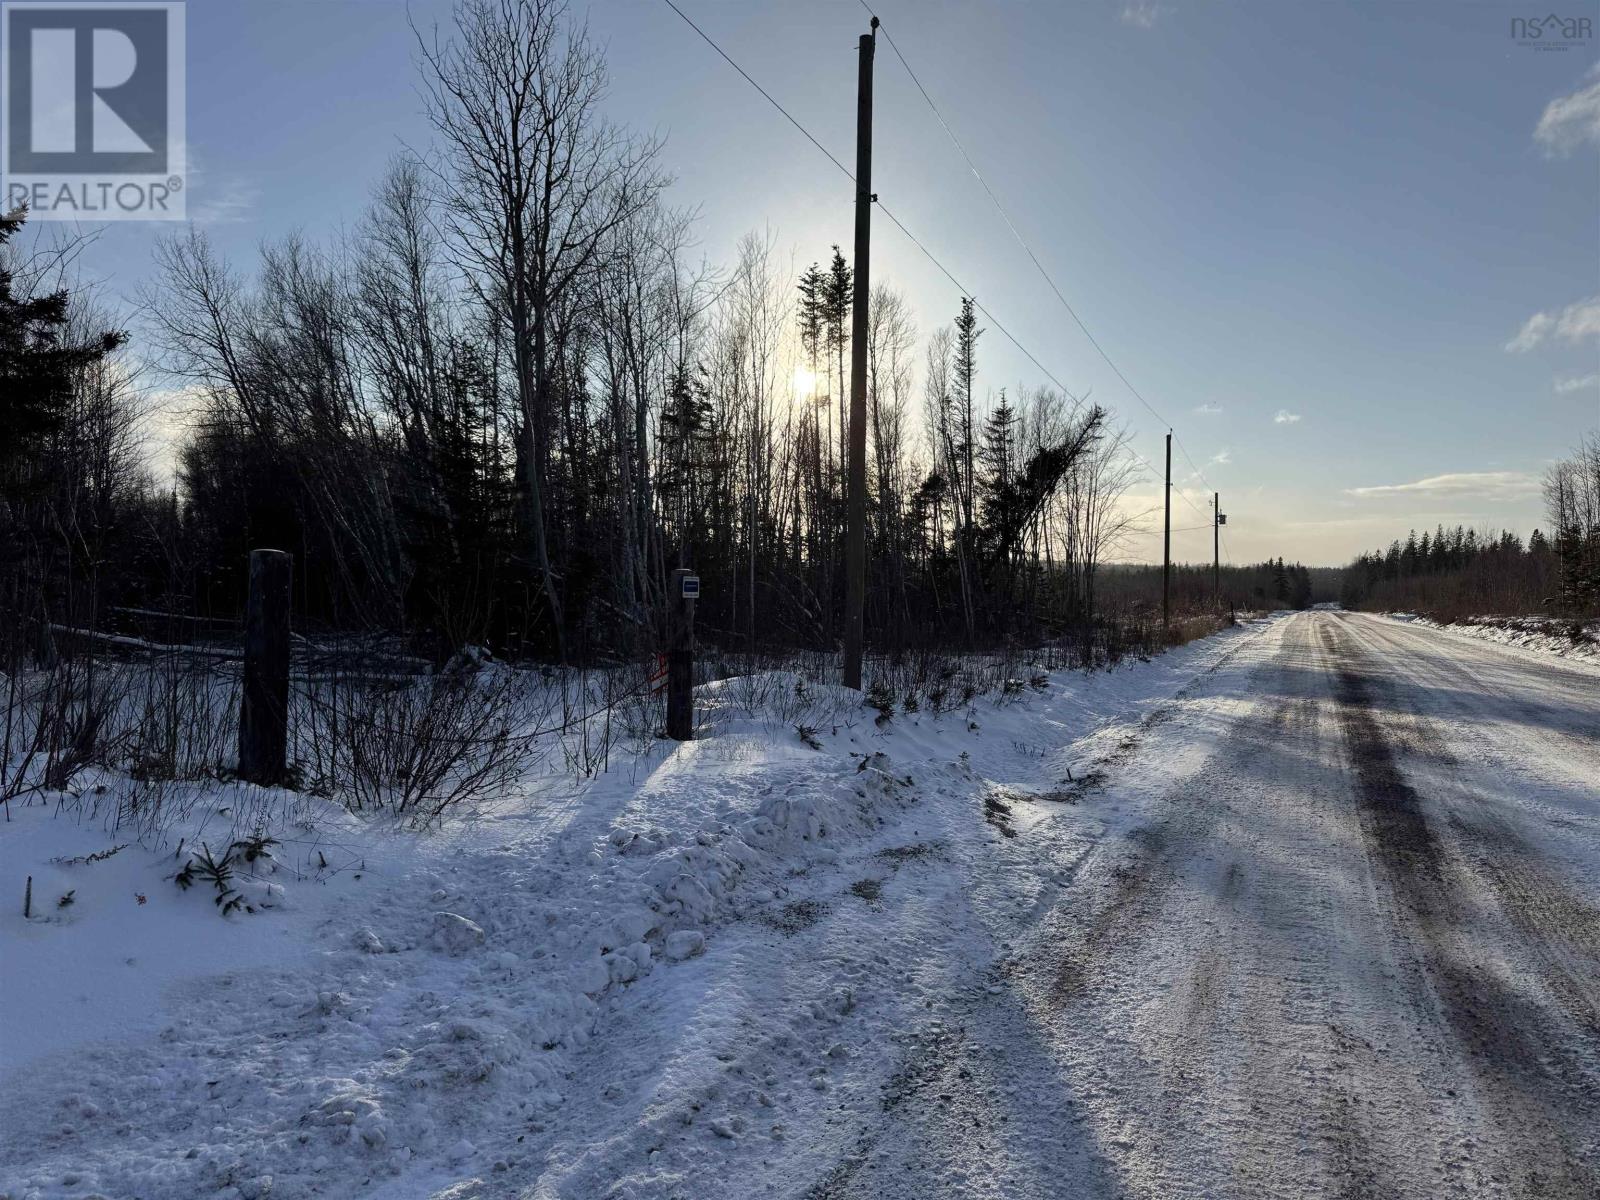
x=1027, y=249
x=920, y=245
x=898, y=224
x=1184, y=451
x=989, y=316
x=807, y=133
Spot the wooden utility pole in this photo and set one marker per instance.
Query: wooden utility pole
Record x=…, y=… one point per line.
x=1166, y=552
x=264, y=709
x=855, y=535
x=680, y=654
x=1216, y=551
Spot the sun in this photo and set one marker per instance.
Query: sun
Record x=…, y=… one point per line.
x=805, y=381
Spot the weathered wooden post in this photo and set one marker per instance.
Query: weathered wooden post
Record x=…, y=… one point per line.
x=680, y=654
x=264, y=710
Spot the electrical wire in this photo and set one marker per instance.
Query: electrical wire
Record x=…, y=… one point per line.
x=898, y=224
x=1027, y=249
x=803, y=130
x=933, y=258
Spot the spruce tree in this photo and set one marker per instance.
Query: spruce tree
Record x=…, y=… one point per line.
x=811, y=310
x=966, y=371
x=837, y=293
x=36, y=366
x=998, y=453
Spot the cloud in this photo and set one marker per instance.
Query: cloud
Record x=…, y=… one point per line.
x=1534, y=331
x=1569, y=121
x=1284, y=417
x=1208, y=410
x=1576, y=383
x=1494, y=484
x=1573, y=323
x=1221, y=458
x=218, y=199
x=168, y=416
x=1143, y=14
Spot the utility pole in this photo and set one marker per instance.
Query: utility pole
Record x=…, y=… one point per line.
x=855, y=536
x=1166, y=552
x=1216, y=551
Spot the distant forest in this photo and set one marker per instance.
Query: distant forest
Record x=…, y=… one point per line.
x=1257, y=587
x=1454, y=573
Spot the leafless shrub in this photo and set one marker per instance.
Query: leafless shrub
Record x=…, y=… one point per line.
x=180, y=713
x=419, y=749
x=57, y=722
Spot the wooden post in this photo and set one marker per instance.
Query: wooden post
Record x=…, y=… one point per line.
x=680, y=654
x=1166, y=553
x=855, y=537
x=264, y=710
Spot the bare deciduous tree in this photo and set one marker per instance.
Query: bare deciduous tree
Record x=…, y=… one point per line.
x=534, y=181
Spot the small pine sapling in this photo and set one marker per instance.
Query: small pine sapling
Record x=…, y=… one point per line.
x=880, y=697
x=204, y=867
x=251, y=848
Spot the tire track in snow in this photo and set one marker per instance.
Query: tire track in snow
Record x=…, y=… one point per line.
x=1473, y=782
x=1528, y=1075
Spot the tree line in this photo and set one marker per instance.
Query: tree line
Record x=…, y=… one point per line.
x=1461, y=572
x=1255, y=587
x=507, y=403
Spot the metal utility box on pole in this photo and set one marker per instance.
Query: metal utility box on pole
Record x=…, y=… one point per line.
x=1166, y=550
x=855, y=538
x=680, y=654
x=264, y=708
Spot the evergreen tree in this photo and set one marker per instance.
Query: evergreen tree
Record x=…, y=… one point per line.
x=998, y=455
x=965, y=367
x=36, y=366
x=1280, y=582
x=1299, y=586
x=812, y=306
x=837, y=293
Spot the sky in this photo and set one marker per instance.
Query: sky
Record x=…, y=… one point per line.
x=1348, y=252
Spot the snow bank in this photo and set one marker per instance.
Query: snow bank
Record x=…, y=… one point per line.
x=405, y=1014
x=1568, y=639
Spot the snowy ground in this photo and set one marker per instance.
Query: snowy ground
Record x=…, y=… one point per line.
x=1316, y=915
x=1528, y=633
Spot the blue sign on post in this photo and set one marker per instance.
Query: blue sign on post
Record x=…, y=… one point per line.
x=691, y=586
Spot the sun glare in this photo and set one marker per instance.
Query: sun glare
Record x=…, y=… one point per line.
x=805, y=382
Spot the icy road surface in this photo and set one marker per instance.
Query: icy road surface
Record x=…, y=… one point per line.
x=1356, y=953
x=1317, y=915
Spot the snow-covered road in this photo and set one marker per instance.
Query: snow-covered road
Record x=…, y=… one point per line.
x=1355, y=953
x=1318, y=914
